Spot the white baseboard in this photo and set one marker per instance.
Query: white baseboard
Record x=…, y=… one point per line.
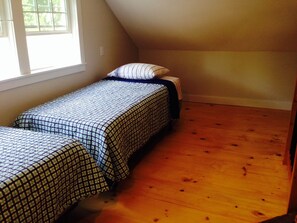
x=282, y=105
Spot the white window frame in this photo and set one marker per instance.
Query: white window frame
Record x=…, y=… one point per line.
x=27, y=76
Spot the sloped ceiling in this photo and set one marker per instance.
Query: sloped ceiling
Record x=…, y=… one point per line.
x=220, y=25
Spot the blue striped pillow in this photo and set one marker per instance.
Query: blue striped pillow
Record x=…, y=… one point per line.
x=139, y=71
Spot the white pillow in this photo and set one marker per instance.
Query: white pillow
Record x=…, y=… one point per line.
x=139, y=71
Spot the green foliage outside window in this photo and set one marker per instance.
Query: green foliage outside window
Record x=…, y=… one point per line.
x=45, y=15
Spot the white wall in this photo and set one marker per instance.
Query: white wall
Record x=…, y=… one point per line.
x=100, y=28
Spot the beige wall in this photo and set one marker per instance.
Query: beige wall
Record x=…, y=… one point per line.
x=210, y=25
x=261, y=79
x=100, y=28
x=240, y=52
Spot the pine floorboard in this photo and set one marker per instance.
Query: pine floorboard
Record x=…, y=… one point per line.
x=219, y=164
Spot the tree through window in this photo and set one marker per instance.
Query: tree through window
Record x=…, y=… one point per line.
x=45, y=16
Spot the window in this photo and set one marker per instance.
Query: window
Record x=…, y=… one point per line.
x=45, y=16
x=1, y=27
x=9, y=61
x=48, y=32
x=1, y=19
x=41, y=37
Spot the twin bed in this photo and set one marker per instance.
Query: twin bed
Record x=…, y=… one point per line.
x=42, y=175
x=105, y=123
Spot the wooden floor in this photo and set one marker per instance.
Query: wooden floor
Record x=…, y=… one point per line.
x=220, y=164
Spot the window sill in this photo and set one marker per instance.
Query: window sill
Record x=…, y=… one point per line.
x=39, y=76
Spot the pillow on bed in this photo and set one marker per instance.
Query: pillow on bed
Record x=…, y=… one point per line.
x=139, y=71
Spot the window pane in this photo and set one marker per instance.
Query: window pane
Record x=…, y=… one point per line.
x=8, y=58
x=46, y=22
x=29, y=5
x=31, y=22
x=44, y=5
x=1, y=29
x=47, y=51
x=9, y=66
x=59, y=6
x=60, y=21
x=1, y=19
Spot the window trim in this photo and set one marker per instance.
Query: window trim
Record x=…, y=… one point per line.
x=27, y=76
x=40, y=76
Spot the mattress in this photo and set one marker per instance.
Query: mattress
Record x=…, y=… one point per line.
x=42, y=175
x=111, y=118
x=177, y=84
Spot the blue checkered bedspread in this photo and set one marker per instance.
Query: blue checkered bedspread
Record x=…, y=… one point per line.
x=111, y=118
x=42, y=175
